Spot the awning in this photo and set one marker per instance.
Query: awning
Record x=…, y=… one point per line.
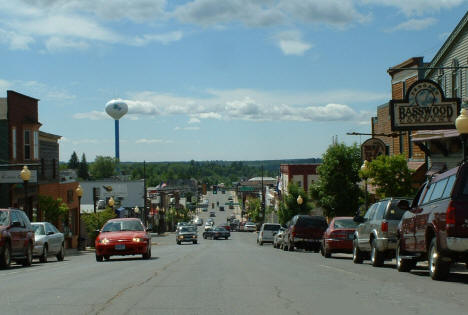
x=415, y=165
x=425, y=135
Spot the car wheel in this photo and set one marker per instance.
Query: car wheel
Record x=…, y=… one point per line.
x=45, y=253
x=376, y=256
x=28, y=260
x=403, y=265
x=357, y=254
x=291, y=246
x=147, y=255
x=284, y=247
x=106, y=257
x=261, y=243
x=5, y=259
x=438, y=269
x=179, y=243
x=195, y=242
x=226, y=238
x=61, y=253
x=326, y=253
x=99, y=258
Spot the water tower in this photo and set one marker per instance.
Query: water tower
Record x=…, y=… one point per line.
x=116, y=109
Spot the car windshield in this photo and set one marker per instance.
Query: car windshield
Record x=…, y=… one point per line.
x=38, y=229
x=124, y=225
x=4, y=218
x=345, y=224
x=187, y=229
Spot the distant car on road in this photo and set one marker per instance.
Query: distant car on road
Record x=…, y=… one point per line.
x=267, y=232
x=221, y=208
x=220, y=232
x=123, y=236
x=212, y=214
x=48, y=241
x=278, y=238
x=250, y=227
x=208, y=232
x=187, y=234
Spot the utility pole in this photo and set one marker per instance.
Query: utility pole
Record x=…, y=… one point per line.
x=262, y=204
x=143, y=213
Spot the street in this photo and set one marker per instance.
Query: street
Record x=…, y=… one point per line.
x=234, y=276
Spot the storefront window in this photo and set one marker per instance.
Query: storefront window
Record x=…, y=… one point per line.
x=27, y=144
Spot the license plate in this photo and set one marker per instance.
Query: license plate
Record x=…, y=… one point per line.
x=120, y=246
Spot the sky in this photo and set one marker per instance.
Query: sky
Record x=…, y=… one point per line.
x=210, y=79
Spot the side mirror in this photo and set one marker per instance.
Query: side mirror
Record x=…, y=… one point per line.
x=15, y=224
x=97, y=231
x=274, y=233
x=50, y=233
x=359, y=219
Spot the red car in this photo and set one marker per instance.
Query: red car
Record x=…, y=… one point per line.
x=124, y=236
x=338, y=238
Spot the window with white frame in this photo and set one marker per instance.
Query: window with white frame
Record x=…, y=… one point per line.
x=36, y=145
x=456, y=79
x=13, y=143
x=27, y=144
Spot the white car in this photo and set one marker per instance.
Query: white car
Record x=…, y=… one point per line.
x=48, y=241
x=267, y=232
x=250, y=227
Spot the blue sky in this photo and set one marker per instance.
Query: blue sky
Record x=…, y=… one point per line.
x=211, y=79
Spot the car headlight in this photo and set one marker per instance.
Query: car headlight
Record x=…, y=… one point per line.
x=137, y=239
x=194, y=236
x=180, y=236
x=39, y=243
x=104, y=241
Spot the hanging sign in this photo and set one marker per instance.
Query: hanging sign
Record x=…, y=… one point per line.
x=425, y=107
x=372, y=148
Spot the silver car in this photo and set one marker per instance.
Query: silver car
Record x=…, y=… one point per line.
x=267, y=232
x=48, y=241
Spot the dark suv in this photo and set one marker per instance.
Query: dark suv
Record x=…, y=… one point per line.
x=436, y=227
x=304, y=231
x=16, y=238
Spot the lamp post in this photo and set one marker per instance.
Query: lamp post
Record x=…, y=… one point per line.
x=79, y=194
x=364, y=170
x=299, y=200
x=25, y=175
x=111, y=203
x=461, y=123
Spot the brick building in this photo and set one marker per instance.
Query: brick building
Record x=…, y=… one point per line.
x=302, y=175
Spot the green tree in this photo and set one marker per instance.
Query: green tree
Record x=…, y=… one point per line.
x=73, y=163
x=290, y=207
x=103, y=167
x=95, y=221
x=390, y=175
x=52, y=209
x=254, y=209
x=337, y=191
x=83, y=168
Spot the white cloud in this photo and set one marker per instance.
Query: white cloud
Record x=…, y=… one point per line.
x=415, y=24
x=417, y=7
x=193, y=128
x=4, y=85
x=93, y=115
x=194, y=120
x=161, y=38
x=14, y=40
x=291, y=43
x=54, y=44
x=152, y=141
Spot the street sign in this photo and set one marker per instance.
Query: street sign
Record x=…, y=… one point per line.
x=248, y=188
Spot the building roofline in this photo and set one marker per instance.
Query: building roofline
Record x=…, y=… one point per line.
x=17, y=93
x=448, y=43
x=49, y=135
x=417, y=61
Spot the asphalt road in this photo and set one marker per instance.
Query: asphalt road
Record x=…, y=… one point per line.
x=234, y=276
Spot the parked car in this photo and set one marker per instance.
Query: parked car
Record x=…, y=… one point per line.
x=338, y=237
x=242, y=226
x=376, y=235
x=48, y=241
x=220, y=232
x=212, y=214
x=304, y=231
x=187, y=234
x=16, y=238
x=436, y=226
x=226, y=226
x=267, y=232
x=278, y=238
x=250, y=227
x=221, y=208
x=234, y=225
x=198, y=221
x=123, y=236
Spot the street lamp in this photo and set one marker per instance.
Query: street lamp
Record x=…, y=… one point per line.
x=136, y=210
x=79, y=194
x=364, y=169
x=25, y=175
x=111, y=203
x=461, y=123
x=299, y=200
